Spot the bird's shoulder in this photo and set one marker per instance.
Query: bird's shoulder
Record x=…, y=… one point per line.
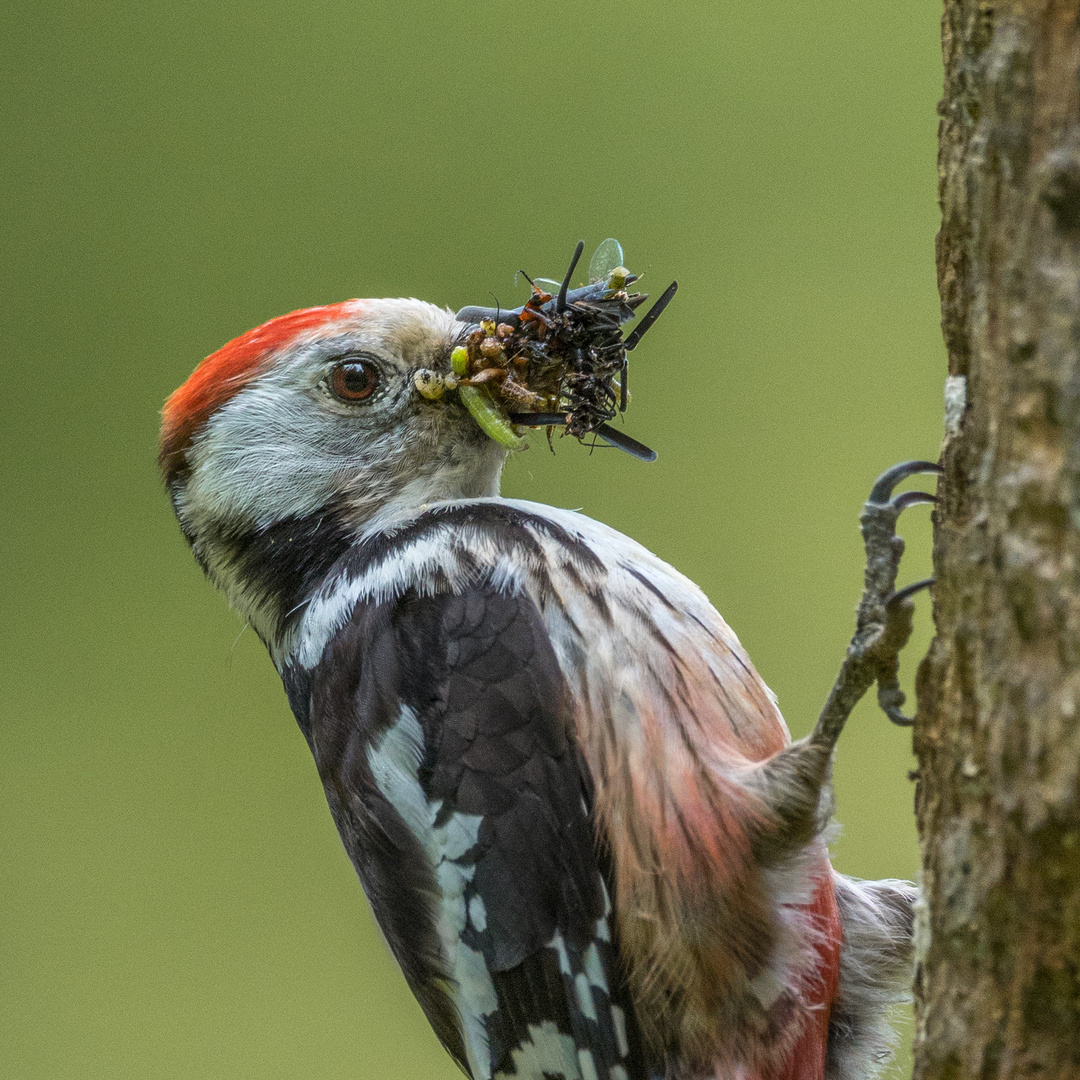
x=584, y=577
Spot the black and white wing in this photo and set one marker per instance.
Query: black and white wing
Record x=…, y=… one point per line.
x=441, y=729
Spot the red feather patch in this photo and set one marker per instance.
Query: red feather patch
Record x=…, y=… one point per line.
x=807, y=1060
x=223, y=374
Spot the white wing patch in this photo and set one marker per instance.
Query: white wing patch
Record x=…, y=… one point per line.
x=421, y=564
x=588, y=1066
x=548, y=1051
x=478, y=914
x=594, y=969
x=395, y=762
x=395, y=765
x=583, y=992
x=619, y=1019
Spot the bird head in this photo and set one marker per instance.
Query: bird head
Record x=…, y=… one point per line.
x=306, y=433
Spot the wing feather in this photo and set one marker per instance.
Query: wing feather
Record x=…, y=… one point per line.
x=442, y=730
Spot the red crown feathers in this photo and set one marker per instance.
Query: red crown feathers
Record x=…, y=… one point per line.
x=225, y=373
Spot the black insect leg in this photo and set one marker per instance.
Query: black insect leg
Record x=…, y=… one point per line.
x=560, y=305
x=538, y=419
x=650, y=316
x=624, y=442
x=883, y=618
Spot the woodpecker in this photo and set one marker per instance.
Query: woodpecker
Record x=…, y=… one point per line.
x=571, y=800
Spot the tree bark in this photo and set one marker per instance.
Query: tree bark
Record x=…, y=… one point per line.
x=998, y=728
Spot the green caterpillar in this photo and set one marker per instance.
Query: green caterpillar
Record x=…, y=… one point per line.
x=485, y=410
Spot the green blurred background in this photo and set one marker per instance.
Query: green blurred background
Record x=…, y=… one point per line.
x=175, y=902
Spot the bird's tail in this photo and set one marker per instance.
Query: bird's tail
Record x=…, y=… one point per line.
x=875, y=974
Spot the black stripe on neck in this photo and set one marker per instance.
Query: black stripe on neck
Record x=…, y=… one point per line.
x=283, y=563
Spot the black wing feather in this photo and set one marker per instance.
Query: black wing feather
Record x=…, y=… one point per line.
x=478, y=671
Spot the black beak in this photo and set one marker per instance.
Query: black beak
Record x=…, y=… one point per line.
x=588, y=293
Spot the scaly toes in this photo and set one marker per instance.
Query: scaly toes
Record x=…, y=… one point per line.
x=884, y=617
x=883, y=547
x=898, y=622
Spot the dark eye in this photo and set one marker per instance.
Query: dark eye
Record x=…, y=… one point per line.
x=354, y=380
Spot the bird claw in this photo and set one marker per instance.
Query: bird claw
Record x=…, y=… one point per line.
x=884, y=484
x=884, y=619
x=912, y=498
x=884, y=616
x=898, y=624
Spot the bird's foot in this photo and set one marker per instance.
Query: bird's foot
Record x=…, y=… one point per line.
x=884, y=616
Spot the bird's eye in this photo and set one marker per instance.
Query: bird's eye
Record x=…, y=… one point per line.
x=354, y=380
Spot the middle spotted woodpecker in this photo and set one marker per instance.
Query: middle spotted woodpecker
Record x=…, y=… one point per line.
x=571, y=800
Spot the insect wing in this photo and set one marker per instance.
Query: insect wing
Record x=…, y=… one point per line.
x=548, y=285
x=607, y=257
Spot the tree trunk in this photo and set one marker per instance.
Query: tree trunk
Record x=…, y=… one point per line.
x=998, y=731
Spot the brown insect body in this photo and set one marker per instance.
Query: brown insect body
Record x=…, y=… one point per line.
x=561, y=360
x=557, y=362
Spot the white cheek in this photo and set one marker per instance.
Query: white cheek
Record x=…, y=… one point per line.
x=272, y=452
x=262, y=456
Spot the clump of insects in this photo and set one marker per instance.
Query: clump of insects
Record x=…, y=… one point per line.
x=559, y=360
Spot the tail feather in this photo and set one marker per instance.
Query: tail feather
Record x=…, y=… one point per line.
x=875, y=974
